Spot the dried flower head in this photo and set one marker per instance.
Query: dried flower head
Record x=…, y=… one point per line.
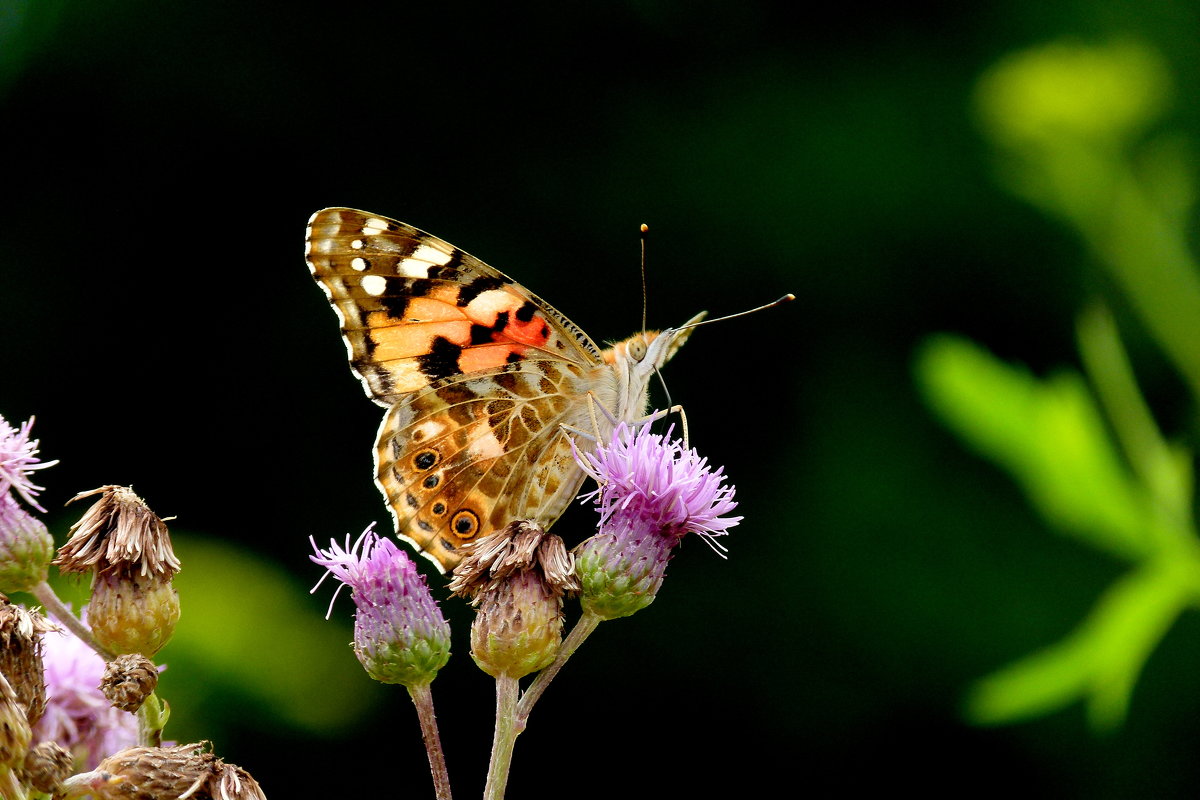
x=158, y=773
x=78, y=716
x=400, y=635
x=134, y=607
x=18, y=460
x=21, y=656
x=15, y=733
x=653, y=491
x=47, y=764
x=517, y=579
x=119, y=531
x=128, y=680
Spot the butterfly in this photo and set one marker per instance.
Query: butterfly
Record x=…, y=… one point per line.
x=483, y=381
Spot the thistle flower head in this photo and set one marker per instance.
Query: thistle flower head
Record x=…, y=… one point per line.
x=18, y=460
x=652, y=492
x=25, y=545
x=78, y=716
x=400, y=635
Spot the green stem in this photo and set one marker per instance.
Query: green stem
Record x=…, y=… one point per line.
x=582, y=630
x=507, y=691
x=151, y=721
x=58, y=609
x=422, y=697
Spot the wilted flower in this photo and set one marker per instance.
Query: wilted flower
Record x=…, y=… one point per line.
x=78, y=716
x=652, y=493
x=21, y=660
x=126, y=547
x=400, y=635
x=186, y=770
x=517, y=578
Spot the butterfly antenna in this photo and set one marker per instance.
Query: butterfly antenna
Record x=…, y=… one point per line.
x=645, y=230
x=785, y=299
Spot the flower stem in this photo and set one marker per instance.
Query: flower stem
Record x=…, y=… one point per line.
x=422, y=698
x=151, y=719
x=583, y=628
x=507, y=691
x=58, y=609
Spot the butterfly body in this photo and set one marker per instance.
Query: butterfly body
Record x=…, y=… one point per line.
x=484, y=382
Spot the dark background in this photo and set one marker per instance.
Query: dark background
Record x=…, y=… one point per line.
x=157, y=316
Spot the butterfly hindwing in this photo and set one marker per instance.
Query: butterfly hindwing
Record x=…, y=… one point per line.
x=461, y=458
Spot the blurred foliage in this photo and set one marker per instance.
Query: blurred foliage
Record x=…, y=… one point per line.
x=1068, y=121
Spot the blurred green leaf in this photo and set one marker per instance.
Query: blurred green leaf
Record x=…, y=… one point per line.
x=1047, y=433
x=250, y=630
x=1099, y=662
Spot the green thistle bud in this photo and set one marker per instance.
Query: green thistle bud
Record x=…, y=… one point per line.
x=26, y=548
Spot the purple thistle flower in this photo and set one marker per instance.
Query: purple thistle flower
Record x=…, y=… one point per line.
x=26, y=547
x=18, y=459
x=653, y=491
x=78, y=716
x=400, y=635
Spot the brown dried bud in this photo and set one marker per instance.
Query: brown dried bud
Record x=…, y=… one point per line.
x=15, y=733
x=21, y=656
x=47, y=764
x=159, y=773
x=517, y=579
x=128, y=680
x=118, y=532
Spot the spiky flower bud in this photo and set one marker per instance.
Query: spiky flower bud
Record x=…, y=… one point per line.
x=47, y=764
x=400, y=635
x=21, y=656
x=128, y=680
x=159, y=773
x=652, y=493
x=516, y=579
x=134, y=607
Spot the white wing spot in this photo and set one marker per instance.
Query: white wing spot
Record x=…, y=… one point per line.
x=432, y=255
x=374, y=226
x=374, y=285
x=359, y=264
x=357, y=244
x=411, y=268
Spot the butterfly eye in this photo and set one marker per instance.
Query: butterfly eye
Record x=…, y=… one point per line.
x=637, y=349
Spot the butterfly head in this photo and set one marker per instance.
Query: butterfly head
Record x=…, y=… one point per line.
x=637, y=358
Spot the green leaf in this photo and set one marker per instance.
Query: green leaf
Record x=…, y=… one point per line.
x=1099, y=662
x=1047, y=433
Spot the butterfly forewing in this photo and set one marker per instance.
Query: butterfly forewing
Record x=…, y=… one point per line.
x=415, y=309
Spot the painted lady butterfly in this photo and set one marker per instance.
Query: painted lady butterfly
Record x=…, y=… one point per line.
x=479, y=377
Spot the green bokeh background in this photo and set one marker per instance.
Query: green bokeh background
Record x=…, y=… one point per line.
x=161, y=160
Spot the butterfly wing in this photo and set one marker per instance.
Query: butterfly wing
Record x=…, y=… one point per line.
x=478, y=374
x=415, y=309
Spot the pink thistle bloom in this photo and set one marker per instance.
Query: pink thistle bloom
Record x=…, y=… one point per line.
x=653, y=492
x=18, y=459
x=400, y=635
x=78, y=716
